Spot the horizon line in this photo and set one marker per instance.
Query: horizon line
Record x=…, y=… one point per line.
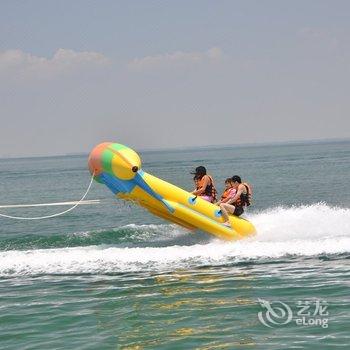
x=154, y=149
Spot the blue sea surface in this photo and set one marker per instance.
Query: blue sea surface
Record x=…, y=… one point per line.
x=112, y=276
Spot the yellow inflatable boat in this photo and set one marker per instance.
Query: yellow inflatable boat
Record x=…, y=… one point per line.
x=119, y=168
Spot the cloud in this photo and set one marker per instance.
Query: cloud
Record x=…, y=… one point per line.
x=175, y=58
x=22, y=65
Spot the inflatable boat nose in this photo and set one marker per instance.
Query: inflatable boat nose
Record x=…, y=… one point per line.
x=114, y=159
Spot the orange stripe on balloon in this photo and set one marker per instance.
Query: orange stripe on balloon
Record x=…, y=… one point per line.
x=94, y=162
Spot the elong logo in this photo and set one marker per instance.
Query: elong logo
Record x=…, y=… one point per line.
x=278, y=313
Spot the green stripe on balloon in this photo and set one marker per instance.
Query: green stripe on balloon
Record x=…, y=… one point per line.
x=106, y=160
x=117, y=146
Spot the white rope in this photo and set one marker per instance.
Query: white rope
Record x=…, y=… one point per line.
x=56, y=204
x=54, y=215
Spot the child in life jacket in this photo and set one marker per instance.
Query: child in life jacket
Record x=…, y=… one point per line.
x=228, y=193
x=236, y=205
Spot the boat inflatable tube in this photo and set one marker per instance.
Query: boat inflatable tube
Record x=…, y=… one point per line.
x=119, y=168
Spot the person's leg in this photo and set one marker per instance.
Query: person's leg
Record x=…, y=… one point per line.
x=225, y=209
x=238, y=211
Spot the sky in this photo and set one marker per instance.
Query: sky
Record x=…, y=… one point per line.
x=168, y=74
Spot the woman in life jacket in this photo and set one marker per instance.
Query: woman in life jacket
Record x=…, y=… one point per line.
x=228, y=193
x=236, y=204
x=204, y=185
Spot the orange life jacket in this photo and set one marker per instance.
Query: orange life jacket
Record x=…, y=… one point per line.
x=244, y=199
x=225, y=194
x=209, y=190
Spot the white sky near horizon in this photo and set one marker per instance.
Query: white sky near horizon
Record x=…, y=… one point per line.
x=163, y=74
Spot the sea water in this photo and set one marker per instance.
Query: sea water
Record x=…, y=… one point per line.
x=112, y=276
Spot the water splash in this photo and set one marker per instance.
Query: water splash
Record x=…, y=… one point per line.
x=299, y=231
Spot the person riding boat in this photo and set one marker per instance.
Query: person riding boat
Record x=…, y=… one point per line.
x=205, y=187
x=228, y=193
x=241, y=199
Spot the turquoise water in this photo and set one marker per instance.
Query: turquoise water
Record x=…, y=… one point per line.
x=111, y=276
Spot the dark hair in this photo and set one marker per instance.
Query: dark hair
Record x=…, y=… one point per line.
x=228, y=180
x=236, y=178
x=200, y=171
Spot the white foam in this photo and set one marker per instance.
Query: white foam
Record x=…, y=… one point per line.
x=305, y=222
x=304, y=231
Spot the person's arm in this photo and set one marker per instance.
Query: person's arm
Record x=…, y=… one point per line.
x=230, y=196
x=237, y=195
x=226, y=199
x=202, y=189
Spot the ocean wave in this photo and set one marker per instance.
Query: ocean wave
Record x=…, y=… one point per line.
x=127, y=235
x=298, y=231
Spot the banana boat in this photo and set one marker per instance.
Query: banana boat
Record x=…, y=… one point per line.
x=119, y=168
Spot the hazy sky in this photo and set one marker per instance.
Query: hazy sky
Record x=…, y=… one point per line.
x=155, y=74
